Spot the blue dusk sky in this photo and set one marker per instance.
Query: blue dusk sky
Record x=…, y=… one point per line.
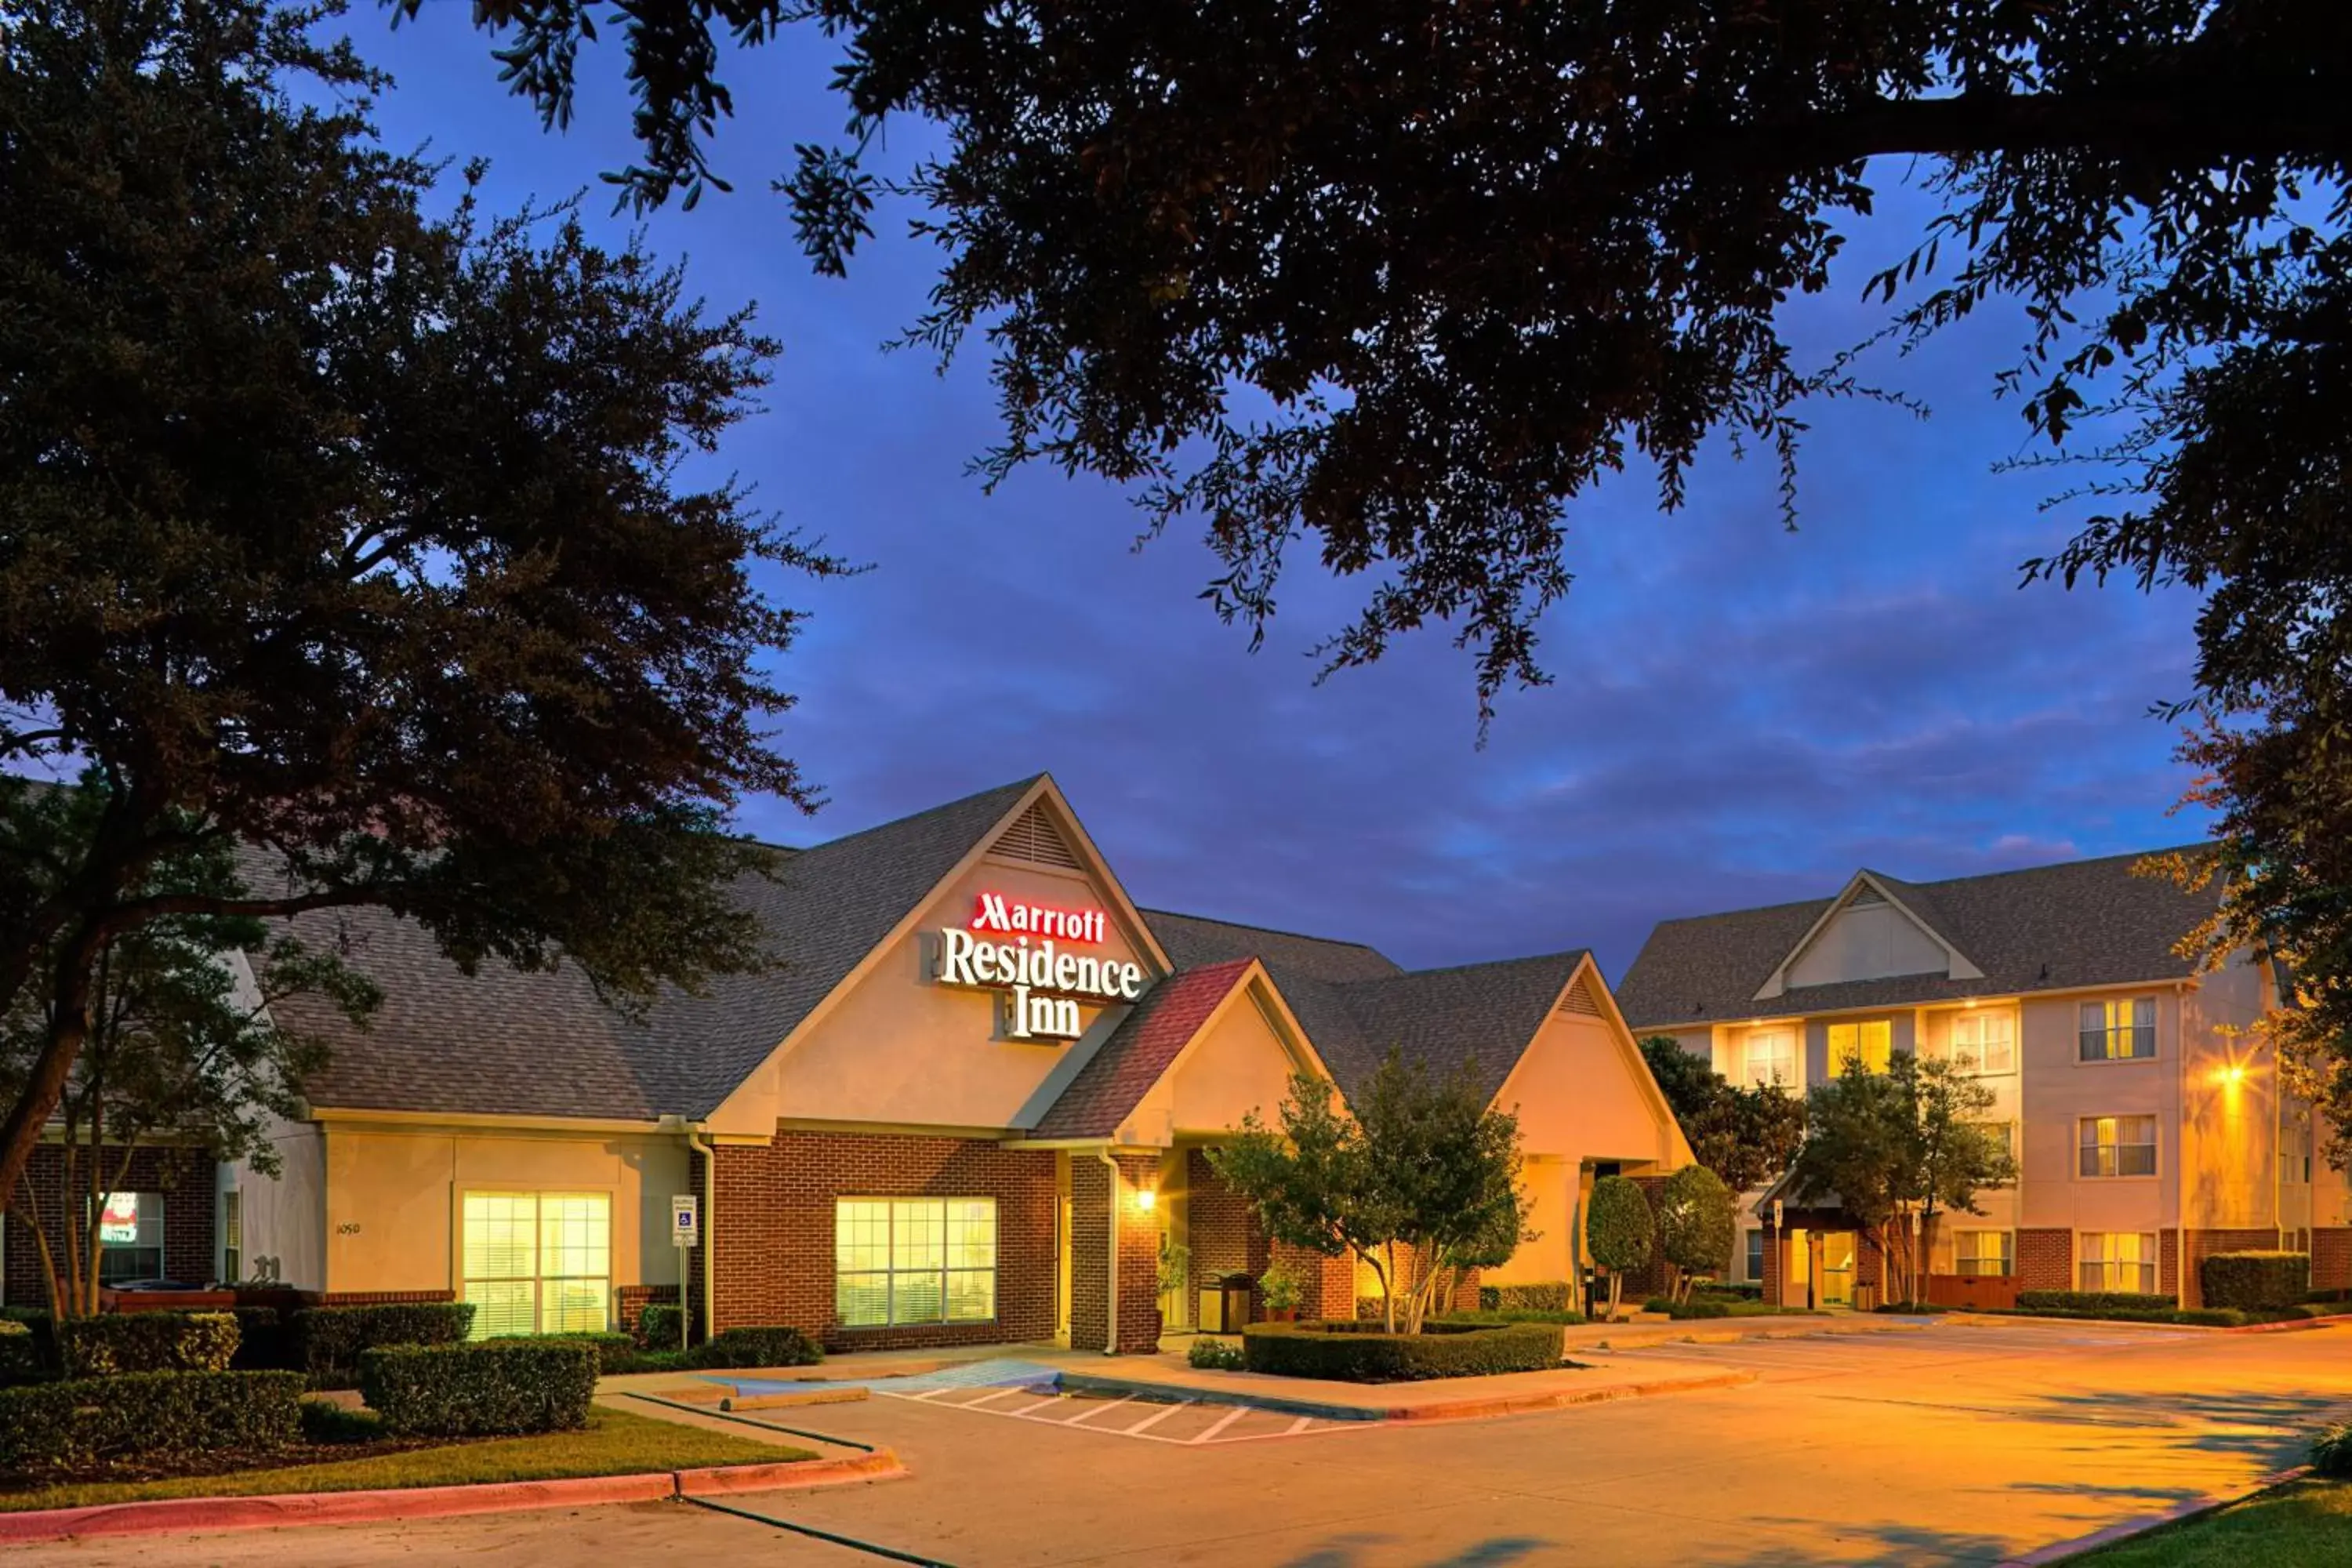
x=1740, y=714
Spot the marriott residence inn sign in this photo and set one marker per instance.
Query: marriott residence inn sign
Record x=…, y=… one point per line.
x=1042, y=980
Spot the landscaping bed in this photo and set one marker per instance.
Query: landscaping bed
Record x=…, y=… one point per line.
x=613, y=1443
x=1356, y=1352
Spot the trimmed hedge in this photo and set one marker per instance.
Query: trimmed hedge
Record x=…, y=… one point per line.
x=86, y=1424
x=657, y=1327
x=757, y=1347
x=330, y=1341
x=2255, y=1282
x=615, y=1351
x=20, y=1353
x=2095, y=1302
x=1514, y=1315
x=1351, y=1352
x=116, y=1342
x=1545, y=1296
x=510, y=1385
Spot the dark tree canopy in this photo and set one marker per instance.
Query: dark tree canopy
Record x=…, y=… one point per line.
x=375, y=540
x=1746, y=1136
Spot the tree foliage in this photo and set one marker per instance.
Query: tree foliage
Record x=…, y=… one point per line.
x=1620, y=1232
x=369, y=539
x=1747, y=1136
x=1698, y=1221
x=1419, y=1183
x=184, y=1046
x=1895, y=1149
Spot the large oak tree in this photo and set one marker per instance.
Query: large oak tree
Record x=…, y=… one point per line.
x=379, y=541
x=1399, y=282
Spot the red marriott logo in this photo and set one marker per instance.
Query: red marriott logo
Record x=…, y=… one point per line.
x=994, y=913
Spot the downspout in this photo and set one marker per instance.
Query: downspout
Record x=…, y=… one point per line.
x=694, y=1140
x=1110, y=1299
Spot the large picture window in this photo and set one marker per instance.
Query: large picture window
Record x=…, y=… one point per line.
x=2120, y=1031
x=130, y=1237
x=537, y=1262
x=1871, y=1043
x=1984, y=1043
x=914, y=1260
x=2118, y=1146
x=2118, y=1260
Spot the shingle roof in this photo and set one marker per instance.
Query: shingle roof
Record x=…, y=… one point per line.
x=1146, y=1043
x=2083, y=923
x=506, y=1043
x=1193, y=939
x=1479, y=1015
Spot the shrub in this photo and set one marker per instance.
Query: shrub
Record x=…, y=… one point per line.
x=1217, y=1355
x=2331, y=1451
x=1545, y=1296
x=329, y=1341
x=524, y=1384
x=615, y=1351
x=20, y=1353
x=1353, y=1352
x=657, y=1326
x=85, y=1424
x=1279, y=1288
x=116, y=1342
x=778, y=1346
x=2094, y=1301
x=2256, y=1281
x=1619, y=1231
x=1512, y=1315
x=324, y=1421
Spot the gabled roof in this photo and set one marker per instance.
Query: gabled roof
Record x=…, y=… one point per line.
x=1908, y=899
x=1195, y=939
x=2079, y=923
x=1479, y=1015
x=507, y=1043
x=1146, y=1044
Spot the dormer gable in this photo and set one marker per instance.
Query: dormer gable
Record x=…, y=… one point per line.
x=1870, y=931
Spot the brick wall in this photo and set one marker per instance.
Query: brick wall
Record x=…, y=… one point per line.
x=773, y=1229
x=184, y=1177
x=2167, y=1262
x=2331, y=1258
x=2204, y=1244
x=634, y=1299
x=2045, y=1260
x=383, y=1298
x=1776, y=1243
x=1093, y=1207
x=1225, y=1236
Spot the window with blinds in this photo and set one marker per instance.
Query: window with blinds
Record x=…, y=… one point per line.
x=914, y=1260
x=537, y=1262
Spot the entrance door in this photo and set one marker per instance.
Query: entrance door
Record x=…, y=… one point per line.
x=1837, y=1268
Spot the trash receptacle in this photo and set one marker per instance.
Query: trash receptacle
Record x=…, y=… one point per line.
x=1225, y=1304
x=1865, y=1297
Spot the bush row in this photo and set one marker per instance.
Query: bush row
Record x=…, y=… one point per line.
x=82, y=1425
x=1545, y=1296
x=1353, y=1352
x=328, y=1342
x=2255, y=1282
x=118, y=1342
x=2095, y=1302
x=540, y=1385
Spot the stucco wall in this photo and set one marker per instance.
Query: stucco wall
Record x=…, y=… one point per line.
x=285, y=1215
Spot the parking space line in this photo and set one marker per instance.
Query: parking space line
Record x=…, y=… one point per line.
x=1235, y=1414
x=1027, y=1408
x=1149, y=1422
x=1097, y=1409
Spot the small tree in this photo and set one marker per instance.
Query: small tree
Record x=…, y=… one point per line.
x=1619, y=1231
x=1746, y=1136
x=1696, y=1217
x=1419, y=1187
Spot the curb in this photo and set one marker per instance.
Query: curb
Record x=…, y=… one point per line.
x=2291, y=1325
x=1455, y=1410
x=2065, y=1550
x=175, y=1516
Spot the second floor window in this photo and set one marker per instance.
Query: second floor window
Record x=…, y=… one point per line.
x=2122, y=1030
x=1871, y=1043
x=1984, y=1043
x=1772, y=1058
x=2118, y=1146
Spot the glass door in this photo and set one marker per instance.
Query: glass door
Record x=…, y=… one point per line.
x=1837, y=1268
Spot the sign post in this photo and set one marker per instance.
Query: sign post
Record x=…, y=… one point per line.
x=685, y=1232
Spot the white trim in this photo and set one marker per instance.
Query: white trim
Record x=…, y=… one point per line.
x=1957, y=966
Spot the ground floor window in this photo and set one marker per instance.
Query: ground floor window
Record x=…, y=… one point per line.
x=537, y=1262
x=1983, y=1252
x=232, y=1236
x=914, y=1260
x=130, y=1237
x=1755, y=1256
x=2116, y=1260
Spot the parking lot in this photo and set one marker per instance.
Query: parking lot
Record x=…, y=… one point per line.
x=1947, y=1445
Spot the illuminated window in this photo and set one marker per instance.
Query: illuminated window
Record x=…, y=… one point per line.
x=2118, y=1146
x=2118, y=1260
x=2118, y=1031
x=1773, y=1057
x=914, y=1260
x=1984, y=1043
x=1983, y=1252
x=130, y=1237
x=537, y=1262
x=1871, y=1043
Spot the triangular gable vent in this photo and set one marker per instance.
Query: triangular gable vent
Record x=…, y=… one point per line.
x=1035, y=839
x=1581, y=1000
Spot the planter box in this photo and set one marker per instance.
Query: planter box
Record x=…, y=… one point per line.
x=167, y=1300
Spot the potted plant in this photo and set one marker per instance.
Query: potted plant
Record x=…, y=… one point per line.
x=1175, y=1273
x=1277, y=1292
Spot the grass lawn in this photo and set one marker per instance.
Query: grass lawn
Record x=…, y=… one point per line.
x=612, y=1443
x=2307, y=1524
